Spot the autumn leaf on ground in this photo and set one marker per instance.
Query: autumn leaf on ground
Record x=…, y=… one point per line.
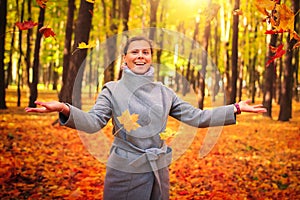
x=129, y=121
x=279, y=52
x=83, y=45
x=26, y=25
x=42, y=3
x=47, y=32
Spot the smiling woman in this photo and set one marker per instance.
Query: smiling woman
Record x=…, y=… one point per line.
x=138, y=55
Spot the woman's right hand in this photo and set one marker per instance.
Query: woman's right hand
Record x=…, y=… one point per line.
x=52, y=106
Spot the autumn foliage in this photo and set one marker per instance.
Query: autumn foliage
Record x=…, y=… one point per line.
x=258, y=158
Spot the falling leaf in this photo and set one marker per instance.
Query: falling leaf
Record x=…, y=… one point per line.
x=264, y=5
x=47, y=32
x=42, y=3
x=129, y=121
x=286, y=19
x=237, y=12
x=83, y=45
x=279, y=52
x=26, y=25
x=274, y=31
x=90, y=1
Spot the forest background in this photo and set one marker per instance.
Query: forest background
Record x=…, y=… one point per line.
x=213, y=52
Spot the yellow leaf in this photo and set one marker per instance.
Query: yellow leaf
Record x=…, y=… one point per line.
x=286, y=19
x=90, y=1
x=129, y=121
x=83, y=45
x=264, y=5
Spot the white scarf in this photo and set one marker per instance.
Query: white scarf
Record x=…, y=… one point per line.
x=150, y=72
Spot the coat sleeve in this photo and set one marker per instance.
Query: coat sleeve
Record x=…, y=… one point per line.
x=185, y=112
x=93, y=120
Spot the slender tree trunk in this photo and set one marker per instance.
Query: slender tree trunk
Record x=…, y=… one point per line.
x=11, y=51
x=234, y=57
x=72, y=87
x=67, y=51
x=269, y=80
x=36, y=61
x=3, y=8
x=125, y=13
x=20, y=56
x=204, y=65
x=28, y=48
x=153, y=19
x=111, y=43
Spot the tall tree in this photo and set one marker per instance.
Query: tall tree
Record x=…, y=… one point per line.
x=67, y=48
x=3, y=8
x=36, y=60
x=111, y=40
x=125, y=13
x=285, y=112
x=28, y=47
x=19, y=68
x=234, y=57
x=77, y=64
x=153, y=18
x=269, y=77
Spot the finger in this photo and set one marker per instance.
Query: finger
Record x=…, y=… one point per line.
x=248, y=101
x=258, y=106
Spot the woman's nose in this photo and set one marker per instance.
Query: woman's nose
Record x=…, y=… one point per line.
x=140, y=54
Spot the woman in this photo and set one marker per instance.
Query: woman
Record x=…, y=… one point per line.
x=137, y=168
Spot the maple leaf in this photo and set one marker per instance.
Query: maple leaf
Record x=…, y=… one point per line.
x=26, y=25
x=129, y=121
x=279, y=52
x=264, y=5
x=42, y=3
x=286, y=19
x=83, y=45
x=47, y=32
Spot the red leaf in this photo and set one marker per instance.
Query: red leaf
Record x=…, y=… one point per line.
x=47, y=32
x=279, y=52
x=274, y=31
x=26, y=25
x=42, y=3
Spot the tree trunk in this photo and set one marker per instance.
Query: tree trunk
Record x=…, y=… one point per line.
x=36, y=61
x=19, y=68
x=269, y=80
x=153, y=19
x=204, y=64
x=3, y=8
x=28, y=48
x=72, y=89
x=111, y=43
x=11, y=51
x=125, y=13
x=285, y=112
x=234, y=57
x=67, y=50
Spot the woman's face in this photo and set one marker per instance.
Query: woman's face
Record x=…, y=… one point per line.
x=138, y=57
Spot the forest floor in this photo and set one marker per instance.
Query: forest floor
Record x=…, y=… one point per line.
x=259, y=158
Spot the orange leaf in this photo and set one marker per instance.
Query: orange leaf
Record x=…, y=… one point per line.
x=42, y=3
x=296, y=45
x=237, y=12
x=26, y=25
x=129, y=121
x=286, y=19
x=47, y=32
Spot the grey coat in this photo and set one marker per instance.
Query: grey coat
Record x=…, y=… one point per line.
x=137, y=167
